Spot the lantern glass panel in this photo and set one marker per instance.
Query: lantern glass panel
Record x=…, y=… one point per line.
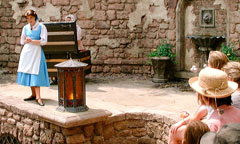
x=60, y=84
x=79, y=85
x=69, y=85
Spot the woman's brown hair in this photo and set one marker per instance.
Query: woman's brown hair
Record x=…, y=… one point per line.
x=194, y=131
x=217, y=59
x=31, y=13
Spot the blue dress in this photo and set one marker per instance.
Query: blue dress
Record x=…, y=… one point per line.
x=40, y=79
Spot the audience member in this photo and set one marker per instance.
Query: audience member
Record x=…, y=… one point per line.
x=194, y=131
x=233, y=70
x=228, y=134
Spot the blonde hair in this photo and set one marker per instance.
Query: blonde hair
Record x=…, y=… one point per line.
x=233, y=70
x=194, y=131
x=217, y=59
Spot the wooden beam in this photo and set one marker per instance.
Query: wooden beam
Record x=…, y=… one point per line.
x=61, y=43
x=61, y=33
x=62, y=60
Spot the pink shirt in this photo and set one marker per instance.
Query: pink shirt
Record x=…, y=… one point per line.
x=230, y=115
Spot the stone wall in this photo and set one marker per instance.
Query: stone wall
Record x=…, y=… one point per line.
x=119, y=33
x=130, y=128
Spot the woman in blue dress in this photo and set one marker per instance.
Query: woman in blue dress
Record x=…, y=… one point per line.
x=32, y=68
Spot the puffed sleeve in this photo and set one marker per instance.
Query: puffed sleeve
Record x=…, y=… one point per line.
x=79, y=32
x=23, y=36
x=43, y=35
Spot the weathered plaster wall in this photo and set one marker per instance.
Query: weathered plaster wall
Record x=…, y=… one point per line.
x=190, y=18
x=146, y=8
x=44, y=13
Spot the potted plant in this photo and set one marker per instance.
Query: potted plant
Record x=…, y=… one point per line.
x=228, y=50
x=160, y=58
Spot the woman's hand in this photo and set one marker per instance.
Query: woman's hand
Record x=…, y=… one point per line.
x=27, y=40
x=175, y=127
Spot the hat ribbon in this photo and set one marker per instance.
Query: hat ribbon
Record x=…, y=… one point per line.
x=205, y=90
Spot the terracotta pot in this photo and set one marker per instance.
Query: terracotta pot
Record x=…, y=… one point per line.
x=159, y=68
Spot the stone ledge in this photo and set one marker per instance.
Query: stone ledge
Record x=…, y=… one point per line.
x=63, y=119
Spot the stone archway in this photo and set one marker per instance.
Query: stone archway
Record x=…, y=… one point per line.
x=180, y=33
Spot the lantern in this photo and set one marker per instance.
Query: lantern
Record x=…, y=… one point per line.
x=71, y=86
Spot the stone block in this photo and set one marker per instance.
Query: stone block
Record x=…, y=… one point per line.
x=99, y=128
x=2, y=112
x=60, y=2
x=9, y=114
x=100, y=15
x=97, y=61
x=139, y=132
x=120, y=125
x=106, y=69
x=171, y=35
x=136, y=123
x=89, y=130
x=102, y=25
x=17, y=117
x=28, y=121
x=4, y=58
x=75, y=2
x=11, y=121
x=122, y=15
x=55, y=128
x=123, y=33
x=28, y=130
x=136, y=115
x=88, y=42
x=20, y=136
x=86, y=24
x=114, y=1
x=58, y=139
x=112, y=61
x=19, y=125
x=46, y=136
x=11, y=40
x=98, y=140
x=91, y=4
x=36, y=128
x=124, y=133
x=129, y=7
x=74, y=9
x=72, y=131
x=126, y=69
x=108, y=132
x=79, y=138
x=115, y=6
x=37, y=3
x=111, y=14
x=12, y=65
x=146, y=140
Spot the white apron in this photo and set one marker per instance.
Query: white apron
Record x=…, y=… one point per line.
x=30, y=59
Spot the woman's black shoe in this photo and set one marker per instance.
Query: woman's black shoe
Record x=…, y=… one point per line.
x=30, y=98
x=39, y=103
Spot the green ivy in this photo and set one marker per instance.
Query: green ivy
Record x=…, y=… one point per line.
x=227, y=49
x=163, y=49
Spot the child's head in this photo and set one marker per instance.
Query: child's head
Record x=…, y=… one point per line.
x=217, y=59
x=213, y=87
x=233, y=71
x=194, y=131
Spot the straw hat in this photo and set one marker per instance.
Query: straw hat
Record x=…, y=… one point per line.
x=213, y=83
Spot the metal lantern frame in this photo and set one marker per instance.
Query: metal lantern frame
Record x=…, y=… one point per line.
x=71, y=88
